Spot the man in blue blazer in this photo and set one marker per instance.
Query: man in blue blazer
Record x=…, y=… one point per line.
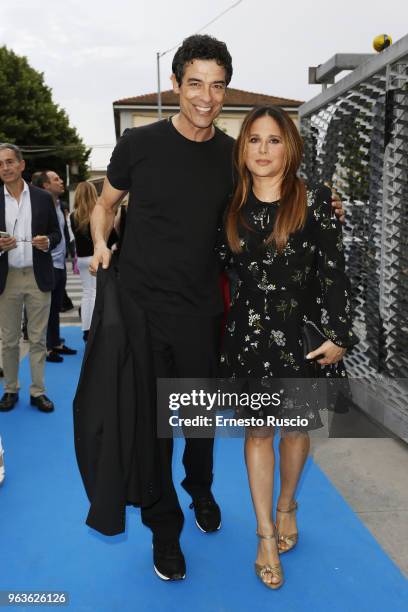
x=29, y=230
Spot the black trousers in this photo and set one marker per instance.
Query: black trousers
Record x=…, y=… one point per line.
x=183, y=347
x=57, y=294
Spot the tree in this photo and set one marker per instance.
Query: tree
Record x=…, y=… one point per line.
x=30, y=119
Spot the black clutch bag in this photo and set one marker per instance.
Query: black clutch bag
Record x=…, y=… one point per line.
x=312, y=338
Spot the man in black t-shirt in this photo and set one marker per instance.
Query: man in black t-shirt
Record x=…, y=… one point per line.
x=179, y=175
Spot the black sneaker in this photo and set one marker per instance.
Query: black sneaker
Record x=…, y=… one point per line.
x=168, y=560
x=207, y=513
x=53, y=357
x=64, y=350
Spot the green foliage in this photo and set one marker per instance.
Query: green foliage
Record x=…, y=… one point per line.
x=30, y=118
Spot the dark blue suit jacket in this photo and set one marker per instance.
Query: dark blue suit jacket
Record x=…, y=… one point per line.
x=44, y=222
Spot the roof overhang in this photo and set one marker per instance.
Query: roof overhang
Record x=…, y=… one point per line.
x=153, y=107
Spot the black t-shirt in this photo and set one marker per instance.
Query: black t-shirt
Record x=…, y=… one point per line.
x=178, y=192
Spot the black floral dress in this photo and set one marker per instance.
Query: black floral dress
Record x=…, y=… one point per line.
x=276, y=292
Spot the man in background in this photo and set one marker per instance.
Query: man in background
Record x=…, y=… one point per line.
x=29, y=231
x=51, y=182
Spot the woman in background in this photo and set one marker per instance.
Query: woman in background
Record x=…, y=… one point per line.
x=287, y=252
x=84, y=202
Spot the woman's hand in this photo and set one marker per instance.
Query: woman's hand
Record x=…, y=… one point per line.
x=330, y=353
x=337, y=205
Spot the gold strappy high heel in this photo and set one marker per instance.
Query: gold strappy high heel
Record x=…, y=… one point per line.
x=292, y=539
x=275, y=570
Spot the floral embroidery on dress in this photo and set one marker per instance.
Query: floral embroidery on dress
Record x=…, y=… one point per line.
x=278, y=337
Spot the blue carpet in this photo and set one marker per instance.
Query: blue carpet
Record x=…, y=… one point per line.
x=45, y=545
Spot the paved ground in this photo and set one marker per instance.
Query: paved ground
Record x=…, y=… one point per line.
x=74, y=291
x=371, y=474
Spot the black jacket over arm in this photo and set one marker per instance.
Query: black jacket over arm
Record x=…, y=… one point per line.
x=115, y=413
x=44, y=222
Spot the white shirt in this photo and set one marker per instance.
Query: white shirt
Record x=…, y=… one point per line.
x=58, y=253
x=18, y=224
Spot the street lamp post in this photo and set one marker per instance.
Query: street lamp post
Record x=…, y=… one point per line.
x=159, y=99
x=160, y=55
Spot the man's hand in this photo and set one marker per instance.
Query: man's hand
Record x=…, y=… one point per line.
x=41, y=243
x=338, y=206
x=102, y=219
x=7, y=244
x=330, y=353
x=102, y=255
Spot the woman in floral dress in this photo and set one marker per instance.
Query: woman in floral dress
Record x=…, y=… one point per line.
x=287, y=251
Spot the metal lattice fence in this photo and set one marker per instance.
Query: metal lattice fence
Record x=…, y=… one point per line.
x=356, y=138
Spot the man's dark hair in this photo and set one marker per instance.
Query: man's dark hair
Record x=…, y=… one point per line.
x=39, y=178
x=16, y=150
x=34, y=178
x=201, y=46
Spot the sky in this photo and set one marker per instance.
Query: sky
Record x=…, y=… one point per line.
x=93, y=52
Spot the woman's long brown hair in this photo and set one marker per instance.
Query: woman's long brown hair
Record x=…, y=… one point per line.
x=84, y=202
x=292, y=209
